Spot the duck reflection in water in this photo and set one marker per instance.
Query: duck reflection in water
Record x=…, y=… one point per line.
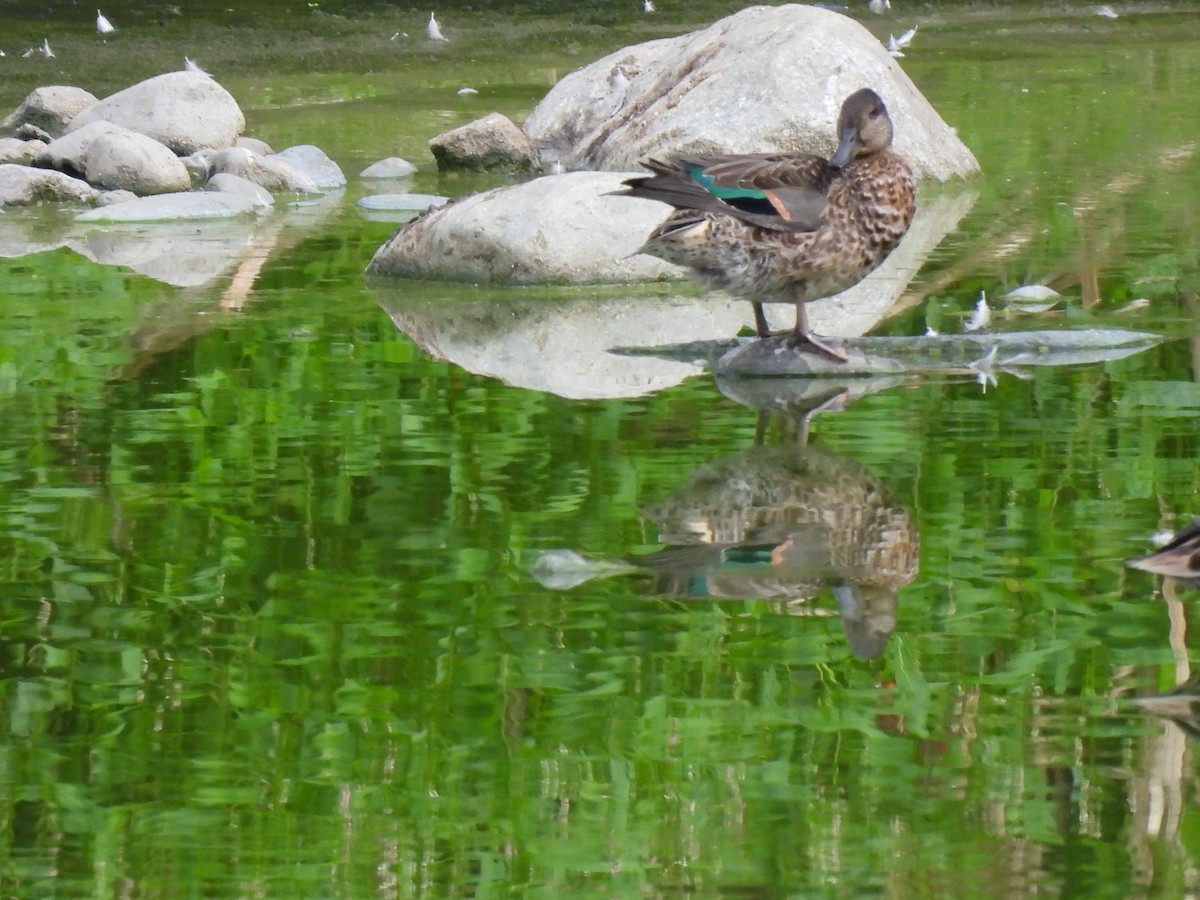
x=778, y=523
x=1178, y=558
x=1181, y=705
x=1179, y=561
x=783, y=523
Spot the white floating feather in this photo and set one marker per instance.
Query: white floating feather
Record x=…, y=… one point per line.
x=1035, y=292
x=981, y=317
x=435, y=30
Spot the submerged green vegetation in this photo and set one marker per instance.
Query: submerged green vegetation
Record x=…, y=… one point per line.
x=268, y=623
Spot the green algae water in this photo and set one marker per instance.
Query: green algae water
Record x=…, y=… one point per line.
x=272, y=622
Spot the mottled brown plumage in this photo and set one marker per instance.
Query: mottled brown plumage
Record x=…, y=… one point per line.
x=787, y=229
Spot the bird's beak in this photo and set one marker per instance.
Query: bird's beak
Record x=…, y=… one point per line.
x=847, y=148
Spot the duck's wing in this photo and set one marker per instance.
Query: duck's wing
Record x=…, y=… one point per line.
x=784, y=193
x=763, y=171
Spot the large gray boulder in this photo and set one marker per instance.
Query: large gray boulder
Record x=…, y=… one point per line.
x=49, y=108
x=25, y=185
x=558, y=228
x=763, y=79
x=108, y=156
x=183, y=110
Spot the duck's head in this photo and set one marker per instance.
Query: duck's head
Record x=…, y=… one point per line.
x=864, y=127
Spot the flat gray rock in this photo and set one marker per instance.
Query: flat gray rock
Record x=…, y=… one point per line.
x=980, y=353
x=761, y=80
x=166, y=207
x=409, y=202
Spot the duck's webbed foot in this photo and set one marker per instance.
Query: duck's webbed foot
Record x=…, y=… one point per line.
x=832, y=348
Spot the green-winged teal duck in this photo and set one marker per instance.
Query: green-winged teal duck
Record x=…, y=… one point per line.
x=787, y=229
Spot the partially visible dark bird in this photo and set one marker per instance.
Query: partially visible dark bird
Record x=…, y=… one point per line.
x=777, y=228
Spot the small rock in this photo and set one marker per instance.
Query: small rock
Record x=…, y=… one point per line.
x=313, y=162
x=30, y=132
x=49, y=109
x=270, y=172
x=254, y=145
x=226, y=183
x=25, y=185
x=199, y=165
x=492, y=142
x=17, y=151
x=392, y=167
x=109, y=198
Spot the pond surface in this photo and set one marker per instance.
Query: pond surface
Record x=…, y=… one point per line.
x=277, y=619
